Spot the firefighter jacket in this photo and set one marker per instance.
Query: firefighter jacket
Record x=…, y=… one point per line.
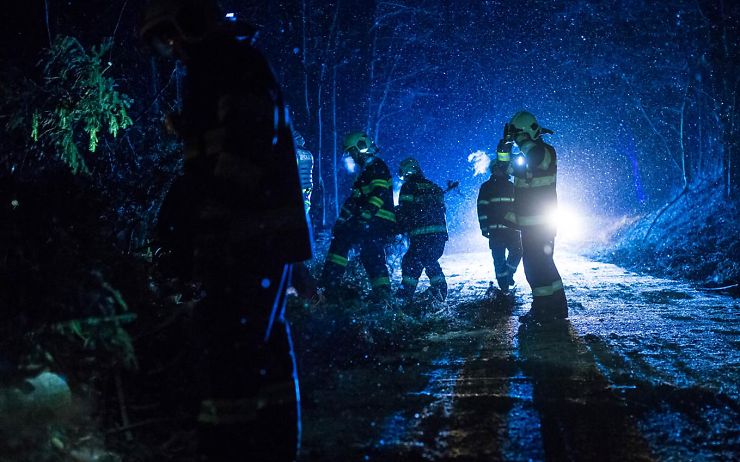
x=371, y=201
x=495, y=205
x=534, y=185
x=305, y=172
x=240, y=197
x=421, y=208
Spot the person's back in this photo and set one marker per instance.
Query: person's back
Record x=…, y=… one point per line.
x=421, y=207
x=238, y=203
x=243, y=157
x=495, y=211
x=421, y=215
x=495, y=201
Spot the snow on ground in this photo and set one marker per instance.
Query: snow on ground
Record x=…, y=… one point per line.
x=686, y=336
x=645, y=368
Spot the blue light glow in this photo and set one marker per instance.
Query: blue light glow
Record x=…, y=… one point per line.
x=349, y=164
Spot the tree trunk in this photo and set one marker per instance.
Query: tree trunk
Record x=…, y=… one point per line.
x=304, y=54
x=725, y=64
x=319, y=163
x=371, y=73
x=335, y=152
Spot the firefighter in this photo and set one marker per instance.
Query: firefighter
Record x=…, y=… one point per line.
x=234, y=221
x=421, y=215
x=366, y=220
x=305, y=169
x=495, y=201
x=535, y=200
x=303, y=282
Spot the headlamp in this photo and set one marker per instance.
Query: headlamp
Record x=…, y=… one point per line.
x=349, y=164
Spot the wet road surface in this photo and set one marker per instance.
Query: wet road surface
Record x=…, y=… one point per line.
x=644, y=369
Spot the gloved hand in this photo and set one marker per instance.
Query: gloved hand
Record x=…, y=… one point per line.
x=504, y=146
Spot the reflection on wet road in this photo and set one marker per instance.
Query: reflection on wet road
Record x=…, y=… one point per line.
x=645, y=369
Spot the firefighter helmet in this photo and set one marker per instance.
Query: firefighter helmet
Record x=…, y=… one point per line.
x=359, y=142
x=187, y=21
x=409, y=166
x=524, y=121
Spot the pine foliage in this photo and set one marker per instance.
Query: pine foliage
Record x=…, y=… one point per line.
x=77, y=104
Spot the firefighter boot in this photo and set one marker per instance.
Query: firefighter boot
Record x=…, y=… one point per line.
x=559, y=308
x=547, y=309
x=404, y=296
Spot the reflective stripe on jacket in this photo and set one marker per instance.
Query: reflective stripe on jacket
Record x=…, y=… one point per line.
x=496, y=204
x=372, y=195
x=421, y=207
x=535, y=185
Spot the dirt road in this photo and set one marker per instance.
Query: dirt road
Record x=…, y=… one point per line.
x=644, y=369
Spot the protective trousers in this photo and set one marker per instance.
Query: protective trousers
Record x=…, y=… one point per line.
x=245, y=365
x=372, y=256
x=501, y=241
x=423, y=255
x=548, y=296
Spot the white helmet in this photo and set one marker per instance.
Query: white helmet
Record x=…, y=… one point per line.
x=524, y=121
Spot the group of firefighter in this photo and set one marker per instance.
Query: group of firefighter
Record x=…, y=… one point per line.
x=514, y=216
x=368, y=219
x=236, y=222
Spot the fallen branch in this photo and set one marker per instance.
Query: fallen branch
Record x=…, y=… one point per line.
x=721, y=288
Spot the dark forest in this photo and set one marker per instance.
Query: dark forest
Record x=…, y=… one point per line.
x=100, y=330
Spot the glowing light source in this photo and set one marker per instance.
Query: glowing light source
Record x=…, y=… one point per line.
x=520, y=160
x=569, y=223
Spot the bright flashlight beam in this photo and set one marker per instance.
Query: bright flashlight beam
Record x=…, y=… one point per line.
x=569, y=223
